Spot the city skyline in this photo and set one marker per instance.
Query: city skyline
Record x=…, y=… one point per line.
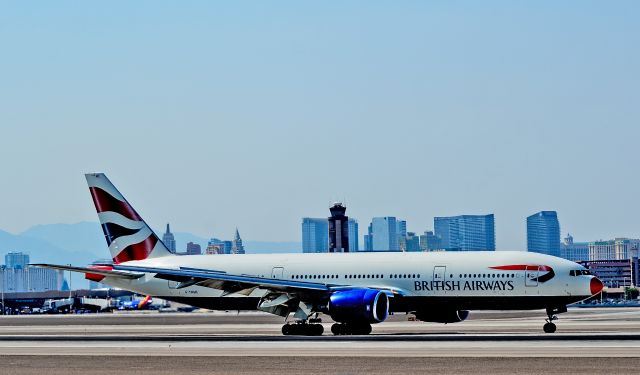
x=266, y=116
x=353, y=220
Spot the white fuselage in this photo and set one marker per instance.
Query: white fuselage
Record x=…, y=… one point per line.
x=453, y=276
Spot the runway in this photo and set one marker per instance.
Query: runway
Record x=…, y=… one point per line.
x=598, y=340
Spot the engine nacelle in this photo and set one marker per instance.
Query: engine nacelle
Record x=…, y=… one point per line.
x=358, y=305
x=442, y=316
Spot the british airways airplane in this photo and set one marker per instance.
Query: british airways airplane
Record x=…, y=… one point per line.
x=354, y=289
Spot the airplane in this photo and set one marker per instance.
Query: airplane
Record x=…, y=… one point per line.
x=136, y=304
x=355, y=289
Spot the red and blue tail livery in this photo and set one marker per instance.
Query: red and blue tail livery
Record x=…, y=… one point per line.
x=127, y=235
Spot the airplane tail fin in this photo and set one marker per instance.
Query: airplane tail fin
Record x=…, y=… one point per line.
x=128, y=236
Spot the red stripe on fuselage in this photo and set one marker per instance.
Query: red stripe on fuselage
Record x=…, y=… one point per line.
x=522, y=267
x=106, y=202
x=137, y=251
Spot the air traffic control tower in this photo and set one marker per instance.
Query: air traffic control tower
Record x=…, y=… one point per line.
x=338, y=229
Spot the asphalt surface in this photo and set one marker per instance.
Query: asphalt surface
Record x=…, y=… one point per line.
x=588, y=340
x=148, y=365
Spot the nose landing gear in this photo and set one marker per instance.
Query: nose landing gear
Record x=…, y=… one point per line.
x=549, y=326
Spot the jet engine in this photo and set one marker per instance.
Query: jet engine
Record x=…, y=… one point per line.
x=358, y=305
x=442, y=316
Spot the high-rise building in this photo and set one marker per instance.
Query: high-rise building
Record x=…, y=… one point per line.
x=429, y=241
x=574, y=251
x=401, y=228
x=17, y=276
x=227, y=247
x=616, y=249
x=543, y=233
x=466, y=232
x=168, y=240
x=353, y=235
x=412, y=242
x=315, y=235
x=16, y=260
x=601, y=250
x=215, y=246
x=383, y=234
x=626, y=248
x=193, y=249
x=401, y=232
x=368, y=245
x=237, y=247
x=615, y=273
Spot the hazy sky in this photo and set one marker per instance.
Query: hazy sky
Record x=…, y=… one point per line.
x=214, y=115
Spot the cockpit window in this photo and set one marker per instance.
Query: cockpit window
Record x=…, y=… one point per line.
x=579, y=272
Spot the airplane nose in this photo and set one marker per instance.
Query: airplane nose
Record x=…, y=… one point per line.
x=596, y=286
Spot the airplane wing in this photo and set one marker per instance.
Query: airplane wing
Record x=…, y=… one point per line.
x=228, y=282
x=94, y=271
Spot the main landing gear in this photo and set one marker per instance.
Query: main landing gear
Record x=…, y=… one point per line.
x=351, y=329
x=303, y=328
x=549, y=326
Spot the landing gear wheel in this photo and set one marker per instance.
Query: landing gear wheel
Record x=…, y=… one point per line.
x=549, y=328
x=286, y=329
x=302, y=329
x=361, y=329
x=317, y=329
x=351, y=329
x=336, y=329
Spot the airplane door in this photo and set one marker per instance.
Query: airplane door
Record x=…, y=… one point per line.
x=173, y=284
x=439, y=273
x=276, y=272
x=531, y=276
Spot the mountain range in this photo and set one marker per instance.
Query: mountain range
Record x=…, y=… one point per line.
x=82, y=243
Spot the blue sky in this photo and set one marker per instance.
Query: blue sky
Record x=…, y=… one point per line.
x=214, y=115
